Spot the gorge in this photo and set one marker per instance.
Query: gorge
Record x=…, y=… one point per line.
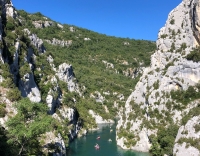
x=59, y=81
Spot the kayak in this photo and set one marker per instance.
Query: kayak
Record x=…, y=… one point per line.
x=97, y=147
x=98, y=137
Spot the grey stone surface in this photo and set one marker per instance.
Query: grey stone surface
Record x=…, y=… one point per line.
x=169, y=70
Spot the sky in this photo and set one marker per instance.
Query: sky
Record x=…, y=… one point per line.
x=134, y=19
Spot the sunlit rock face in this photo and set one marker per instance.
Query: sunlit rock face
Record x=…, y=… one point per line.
x=189, y=132
x=99, y=119
x=29, y=88
x=169, y=70
x=23, y=62
x=7, y=9
x=65, y=73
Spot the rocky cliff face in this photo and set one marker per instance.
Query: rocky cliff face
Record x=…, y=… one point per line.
x=26, y=60
x=151, y=104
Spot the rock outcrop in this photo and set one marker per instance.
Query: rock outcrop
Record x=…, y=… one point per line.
x=27, y=62
x=65, y=73
x=42, y=24
x=99, y=119
x=62, y=43
x=29, y=88
x=188, y=133
x=169, y=70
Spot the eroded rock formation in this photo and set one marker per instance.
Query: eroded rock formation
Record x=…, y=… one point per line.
x=169, y=70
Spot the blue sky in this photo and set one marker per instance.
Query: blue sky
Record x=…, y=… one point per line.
x=137, y=19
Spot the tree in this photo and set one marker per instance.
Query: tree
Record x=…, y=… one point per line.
x=27, y=125
x=5, y=149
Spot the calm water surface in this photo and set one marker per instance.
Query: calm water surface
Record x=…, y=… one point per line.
x=84, y=146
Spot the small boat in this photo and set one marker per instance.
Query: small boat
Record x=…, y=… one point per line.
x=97, y=147
x=98, y=137
x=111, y=130
x=109, y=140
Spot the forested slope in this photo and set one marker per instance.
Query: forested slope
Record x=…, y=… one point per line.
x=59, y=80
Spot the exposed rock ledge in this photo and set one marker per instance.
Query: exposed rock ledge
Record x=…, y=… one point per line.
x=42, y=24
x=187, y=131
x=62, y=43
x=99, y=119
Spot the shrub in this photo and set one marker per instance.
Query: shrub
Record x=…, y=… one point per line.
x=156, y=84
x=183, y=46
x=10, y=25
x=163, y=36
x=197, y=128
x=8, y=83
x=14, y=94
x=5, y=70
x=2, y=111
x=194, y=55
x=166, y=138
x=190, y=142
x=24, y=70
x=184, y=97
x=193, y=112
x=172, y=21
x=172, y=47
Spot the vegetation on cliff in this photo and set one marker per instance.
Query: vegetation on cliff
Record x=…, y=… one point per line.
x=101, y=63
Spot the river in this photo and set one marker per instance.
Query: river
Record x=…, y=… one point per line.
x=84, y=146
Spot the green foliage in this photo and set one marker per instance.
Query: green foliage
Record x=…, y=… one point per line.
x=27, y=125
x=8, y=83
x=5, y=149
x=156, y=85
x=172, y=21
x=2, y=110
x=86, y=57
x=63, y=86
x=183, y=47
x=163, y=35
x=129, y=136
x=43, y=64
x=82, y=107
x=184, y=97
x=44, y=88
x=137, y=111
x=167, y=66
x=69, y=99
x=23, y=13
x=197, y=128
x=25, y=69
x=172, y=47
x=37, y=16
x=193, y=112
x=164, y=142
x=10, y=25
x=194, y=55
x=14, y=94
x=190, y=142
x=155, y=149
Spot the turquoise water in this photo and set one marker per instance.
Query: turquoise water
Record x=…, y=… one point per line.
x=84, y=146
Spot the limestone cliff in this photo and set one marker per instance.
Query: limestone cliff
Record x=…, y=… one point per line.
x=151, y=105
x=24, y=64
